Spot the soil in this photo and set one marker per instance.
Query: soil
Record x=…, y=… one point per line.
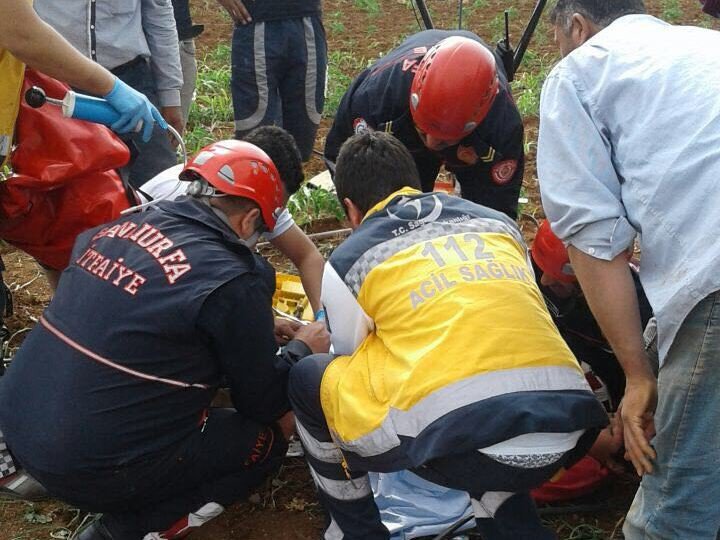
x=286, y=507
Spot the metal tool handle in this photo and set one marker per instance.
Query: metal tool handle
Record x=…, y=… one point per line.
x=528, y=33
x=91, y=109
x=425, y=14
x=88, y=108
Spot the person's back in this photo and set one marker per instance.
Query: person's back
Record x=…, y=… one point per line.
x=629, y=146
x=458, y=320
x=643, y=78
x=107, y=404
x=131, y=295
x=449, y=364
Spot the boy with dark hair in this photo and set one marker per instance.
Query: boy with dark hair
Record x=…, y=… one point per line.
x=382, y=158
x=287, y=237
x=494, y=411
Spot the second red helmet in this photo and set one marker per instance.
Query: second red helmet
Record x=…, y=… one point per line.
x=453, y=89
x=550, y=254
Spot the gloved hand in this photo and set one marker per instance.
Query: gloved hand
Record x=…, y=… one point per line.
x=134, y=108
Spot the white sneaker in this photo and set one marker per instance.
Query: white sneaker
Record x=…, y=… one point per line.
x=295, y=448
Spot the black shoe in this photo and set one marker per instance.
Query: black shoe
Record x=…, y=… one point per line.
x=21, y=485
x=94, y=530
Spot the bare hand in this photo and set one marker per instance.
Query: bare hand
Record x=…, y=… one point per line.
x=286, y=423
x=237, y=10
x=608, y=445
x=285, y=330
x=315, y=336
x=174, y=117
x=637, y=411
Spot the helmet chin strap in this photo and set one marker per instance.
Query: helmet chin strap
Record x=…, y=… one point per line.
x=247, y=242
x=251, y=242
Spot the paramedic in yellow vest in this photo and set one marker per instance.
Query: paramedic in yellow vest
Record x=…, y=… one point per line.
x=448, y=363
x=26, y=39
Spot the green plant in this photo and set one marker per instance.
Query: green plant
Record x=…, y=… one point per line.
x=335, y=22
x=213, y=101
x=311, y=204
x=372, y=7
x=342, y=67
x=528, y=82
x=671, y=11
x=197, y=137
x=582, y=531
x=336, y=27
x=470, y=8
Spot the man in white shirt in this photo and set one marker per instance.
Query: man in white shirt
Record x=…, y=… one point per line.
x=630, y=146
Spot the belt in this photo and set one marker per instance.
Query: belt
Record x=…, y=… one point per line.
x=122, y=68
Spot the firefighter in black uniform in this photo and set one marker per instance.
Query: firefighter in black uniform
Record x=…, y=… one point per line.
x=572, y=315
x=107, y=401
x=445, y=95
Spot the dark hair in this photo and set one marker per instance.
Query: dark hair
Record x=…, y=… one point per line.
x=281, y=148
x=600, y=12
x=371, y=166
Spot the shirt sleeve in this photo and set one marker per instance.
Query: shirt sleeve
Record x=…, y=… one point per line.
x=348, y=323
x=581, y=192
x=282, y=225
x=238, y=322
x=158, y=23
x=164, y=185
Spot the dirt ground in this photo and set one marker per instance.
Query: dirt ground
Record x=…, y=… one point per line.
x=286, y=508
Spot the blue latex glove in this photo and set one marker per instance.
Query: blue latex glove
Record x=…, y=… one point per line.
x=133, y=107
x=320, y=315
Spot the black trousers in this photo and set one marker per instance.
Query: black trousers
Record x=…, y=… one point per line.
x=221, y=463
x=500, y=493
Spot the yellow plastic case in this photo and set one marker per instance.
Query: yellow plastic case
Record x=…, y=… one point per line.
x=290, y=297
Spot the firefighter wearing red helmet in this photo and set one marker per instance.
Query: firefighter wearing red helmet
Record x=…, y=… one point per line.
x=549, y=253
x=445, y=95
x=110, y=394
x=570, y=311
x=239, y=169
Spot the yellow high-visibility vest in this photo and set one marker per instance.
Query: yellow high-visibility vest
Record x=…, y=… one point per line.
x=12, y=72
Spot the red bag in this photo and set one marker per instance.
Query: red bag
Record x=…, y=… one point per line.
x=581, y=479
x=64, y=179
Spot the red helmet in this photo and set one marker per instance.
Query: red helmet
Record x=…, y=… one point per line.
x=241, y=169
x=550, y=255
x=453, y=89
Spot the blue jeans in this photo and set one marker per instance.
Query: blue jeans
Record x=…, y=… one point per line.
x=278, y=77
x=681, y=499
x=157, y=154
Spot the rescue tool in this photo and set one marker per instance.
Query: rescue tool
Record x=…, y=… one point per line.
x=98, y=111
x=88, y=108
